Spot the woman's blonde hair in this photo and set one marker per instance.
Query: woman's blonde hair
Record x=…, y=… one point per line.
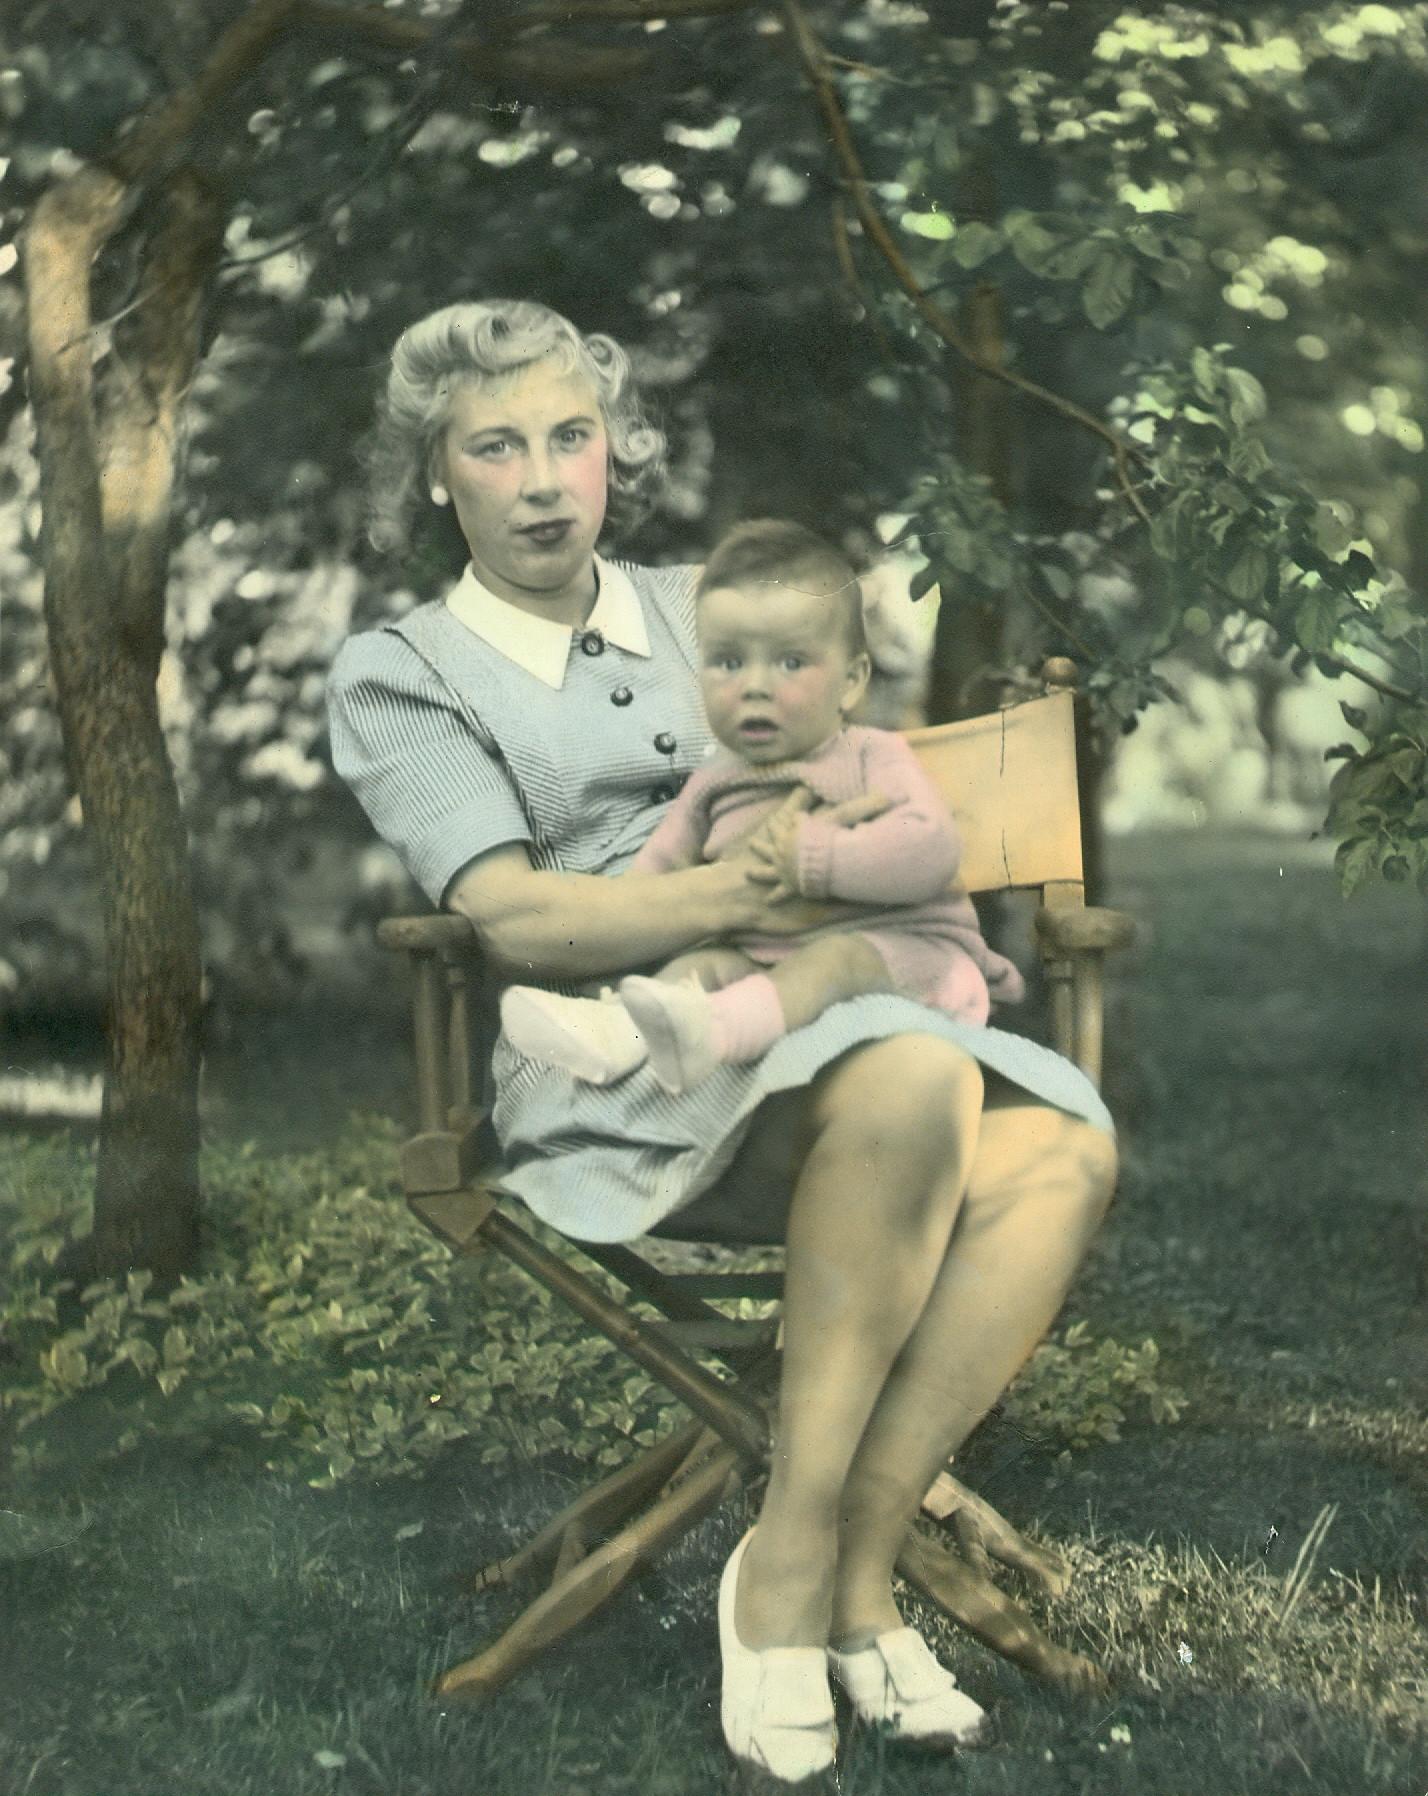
x=487, y=341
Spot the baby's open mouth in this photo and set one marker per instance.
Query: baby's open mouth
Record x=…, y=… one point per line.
x=758, y=729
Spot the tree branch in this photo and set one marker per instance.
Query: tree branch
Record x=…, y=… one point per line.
x=613, y=12
x=549, y=64
x=815, y=65
x=160, y=134
x=1386, y=687
x=843, y=250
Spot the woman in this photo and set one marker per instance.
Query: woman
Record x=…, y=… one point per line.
x=935, y=1183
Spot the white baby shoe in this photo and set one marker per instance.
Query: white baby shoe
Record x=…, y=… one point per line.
x=897, y=1684
x=594, y=1039
x=677, y=1026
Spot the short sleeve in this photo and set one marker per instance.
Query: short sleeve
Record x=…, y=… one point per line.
x=434, y=793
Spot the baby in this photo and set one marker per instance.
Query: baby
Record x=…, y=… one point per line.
x=783, y=662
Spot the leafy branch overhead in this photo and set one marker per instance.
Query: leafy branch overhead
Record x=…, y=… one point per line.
x=1135, y=182
x=1126, y=114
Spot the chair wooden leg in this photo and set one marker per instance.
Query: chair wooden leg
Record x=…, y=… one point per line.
x=591, y=1581
x=597, y=1510
x=983, y=1534
x=990, y=1615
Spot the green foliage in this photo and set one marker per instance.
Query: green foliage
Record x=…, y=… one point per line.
x=333, y=1330
x=329, y=1323
x=1239, y=535
x=1075, y=1389
x=1192, y=155
x=963, y=530
x=1379, y=801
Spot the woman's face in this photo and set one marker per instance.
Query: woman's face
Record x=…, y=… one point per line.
x=526, y=464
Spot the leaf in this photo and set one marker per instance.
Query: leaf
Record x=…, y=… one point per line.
x=1071, y=260
x=1249, y=458
x=1355, y=718
x=1108, y=291
x=922, y=582
x=1032, y=243
x=975, y=242
x=1247, y=401
x=936, y=226
x=1316, y=621
x=1353, y=862
x=1245, y=580
x=1333, y=527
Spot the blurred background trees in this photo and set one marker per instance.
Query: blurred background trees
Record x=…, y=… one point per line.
x=1204, y=229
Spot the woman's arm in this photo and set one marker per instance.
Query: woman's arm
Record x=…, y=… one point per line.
x=582, y=925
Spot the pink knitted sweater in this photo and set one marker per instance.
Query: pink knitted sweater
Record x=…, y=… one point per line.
x=905, y=860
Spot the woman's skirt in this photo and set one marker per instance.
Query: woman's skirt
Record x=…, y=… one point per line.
x=609, y=1162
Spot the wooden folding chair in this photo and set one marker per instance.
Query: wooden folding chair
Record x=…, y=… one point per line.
x=1011, y=780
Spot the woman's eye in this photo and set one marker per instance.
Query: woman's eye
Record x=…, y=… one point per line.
x=574, y=438
x=494, y=450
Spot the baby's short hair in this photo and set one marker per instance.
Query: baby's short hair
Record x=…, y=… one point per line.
x=775, y=552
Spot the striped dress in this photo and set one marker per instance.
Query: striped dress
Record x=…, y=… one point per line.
x=454, y=749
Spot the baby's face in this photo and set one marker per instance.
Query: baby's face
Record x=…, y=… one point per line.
x=776, y=673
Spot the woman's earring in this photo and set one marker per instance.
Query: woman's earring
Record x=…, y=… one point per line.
x=440, y=496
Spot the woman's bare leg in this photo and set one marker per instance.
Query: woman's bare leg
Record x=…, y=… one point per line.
x=893, y=1128
x=891, y=1336
x=1038, y=1189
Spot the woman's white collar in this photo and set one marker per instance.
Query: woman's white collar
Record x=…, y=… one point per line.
x=538, y=645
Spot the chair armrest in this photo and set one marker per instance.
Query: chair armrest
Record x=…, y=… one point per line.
x=1082, y=930
x=426, y=935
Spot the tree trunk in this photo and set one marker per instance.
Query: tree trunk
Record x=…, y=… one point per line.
x=969, y=633
x=106, y=498
x=970, y=639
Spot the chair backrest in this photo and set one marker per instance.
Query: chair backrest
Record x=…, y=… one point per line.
x=1010, y=780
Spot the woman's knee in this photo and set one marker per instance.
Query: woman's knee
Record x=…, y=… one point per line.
x=1029, y=1147
x=908, y=1087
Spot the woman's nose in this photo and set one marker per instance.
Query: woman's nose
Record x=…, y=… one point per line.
x=541, y=480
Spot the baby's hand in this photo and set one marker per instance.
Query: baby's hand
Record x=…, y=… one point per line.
x=774, y=848
x=861, y=809
x=774, y=845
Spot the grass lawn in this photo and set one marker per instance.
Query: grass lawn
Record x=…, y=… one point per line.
x=179, y=1622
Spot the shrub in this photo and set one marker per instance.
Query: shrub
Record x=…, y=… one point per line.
x=328, y=1321
x=332, y=1328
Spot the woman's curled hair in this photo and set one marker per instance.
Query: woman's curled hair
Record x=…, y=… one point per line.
x=487, y=341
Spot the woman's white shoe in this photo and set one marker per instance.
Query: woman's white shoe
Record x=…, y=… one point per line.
x=898, y=1685
x=777, y=1708
x=595, y=1039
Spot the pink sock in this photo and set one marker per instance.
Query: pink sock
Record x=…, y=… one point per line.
x=746, y=1017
